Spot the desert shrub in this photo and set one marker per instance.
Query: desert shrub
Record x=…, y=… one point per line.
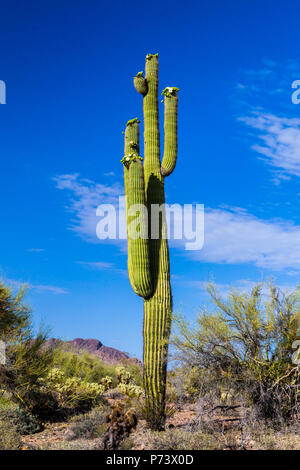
x=87, y=367
x=27, y=360
x=244, y=347
x=70, y=394
x=185, y=385
x=127, y=444
x=57, y=397
x=9, y=438
x=114, y=394
x=23, y=421
x=258, y=437
x=90, y=425
x=136, y=373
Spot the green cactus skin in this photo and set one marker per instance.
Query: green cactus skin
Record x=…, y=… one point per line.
x=140, y=83
x=170, y=128
x=148, y=260
x=138, y=250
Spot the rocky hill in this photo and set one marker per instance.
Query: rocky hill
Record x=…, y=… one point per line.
x=93, y=346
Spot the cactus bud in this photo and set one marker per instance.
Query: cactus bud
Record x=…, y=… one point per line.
x=140, y=84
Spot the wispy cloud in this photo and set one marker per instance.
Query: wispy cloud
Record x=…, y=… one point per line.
x=35, y=250
x=38, y=287
x=51, y=289
x=259, y=86
x=234, y=237
x=278, y=141
x=102, y=266
x=85, y=196
x=263, y=97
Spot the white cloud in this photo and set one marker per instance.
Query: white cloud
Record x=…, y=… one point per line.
x=38, y=287
x=102, y=266
x=86, y=196
x=51, y=289
x=279, y=141
x=277, y=134
x=35, y=250
x=234, y=237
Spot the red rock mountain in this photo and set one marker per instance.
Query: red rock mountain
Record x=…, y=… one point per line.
x=93, y=346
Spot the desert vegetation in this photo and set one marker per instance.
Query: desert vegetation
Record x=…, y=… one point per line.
x=232, y=383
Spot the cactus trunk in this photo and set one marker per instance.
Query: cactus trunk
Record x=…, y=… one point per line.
x=148, y=256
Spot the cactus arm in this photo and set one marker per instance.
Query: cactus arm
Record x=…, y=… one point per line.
x=151, y=122
x=138, y=249
x=131, y=135
x=170, y=128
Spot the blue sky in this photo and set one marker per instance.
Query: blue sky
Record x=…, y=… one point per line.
x=68, y=69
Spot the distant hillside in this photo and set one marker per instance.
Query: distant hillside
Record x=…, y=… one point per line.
x=94, y=346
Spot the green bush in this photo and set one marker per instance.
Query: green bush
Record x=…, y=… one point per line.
x=27, y=359
x=23, y=421
x=48, y=384
x=244, y=348
x=87, y=367
x=71, y=394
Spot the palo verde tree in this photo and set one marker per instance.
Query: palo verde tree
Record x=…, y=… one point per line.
x=148, y=253
x=245, y=344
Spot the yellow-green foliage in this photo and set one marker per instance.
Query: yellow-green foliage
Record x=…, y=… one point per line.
x=27, y=359
x=91, y=368
x=126, y=384
x=106, y=382
x=71, y=391
x=246, y=344
x=123, y=375
x=88, y=367
x=131, y=390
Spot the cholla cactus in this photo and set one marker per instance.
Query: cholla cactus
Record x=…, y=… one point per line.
x=124, y=376
x=106, y=382
x=131, y=390
x=148, y=259
x=71, y=390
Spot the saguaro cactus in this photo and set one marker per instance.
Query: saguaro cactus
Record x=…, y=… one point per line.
x=148, y=254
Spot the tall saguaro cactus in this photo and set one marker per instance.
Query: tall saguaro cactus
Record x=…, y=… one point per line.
x=148, y=254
